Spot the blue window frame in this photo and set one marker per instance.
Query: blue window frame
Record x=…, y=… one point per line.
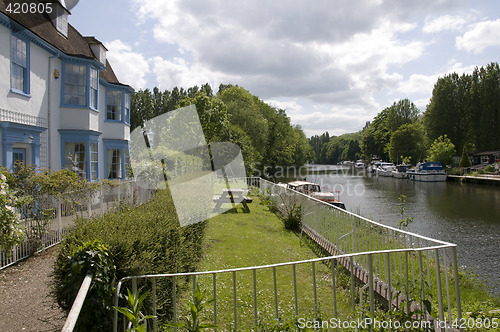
x=80, y=85
x=79, y=152
x=116, y=159
x=19, y=65
x=94, y=87
x=113, y=105
x=75, y=84
x=18, y=155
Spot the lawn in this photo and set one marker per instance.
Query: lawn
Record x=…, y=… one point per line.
x=235, y=240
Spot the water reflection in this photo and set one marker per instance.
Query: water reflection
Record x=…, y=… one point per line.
x=465, y=214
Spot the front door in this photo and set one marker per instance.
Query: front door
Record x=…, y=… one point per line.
x=18, y=155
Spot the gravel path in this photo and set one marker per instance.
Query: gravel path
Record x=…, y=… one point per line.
x=25, y=304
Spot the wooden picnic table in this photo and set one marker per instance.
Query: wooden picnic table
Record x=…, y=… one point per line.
x=232, y=196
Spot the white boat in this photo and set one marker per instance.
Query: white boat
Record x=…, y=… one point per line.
x=385, y=169
x=400, y=171
x=313, y=189
x=427, y=172
x=359, y=165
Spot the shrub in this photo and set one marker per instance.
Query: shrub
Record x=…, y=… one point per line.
x=143, y=240
x=88, y=257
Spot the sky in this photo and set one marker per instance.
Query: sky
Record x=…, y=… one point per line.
x=332, y=65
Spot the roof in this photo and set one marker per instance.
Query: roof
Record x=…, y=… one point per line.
x=73, y=45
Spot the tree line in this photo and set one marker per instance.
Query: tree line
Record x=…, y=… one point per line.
x=463, y=115
x=266, y=136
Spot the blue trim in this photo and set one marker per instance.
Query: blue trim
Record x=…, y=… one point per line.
x=124, y=118
x=80, y=136
x=116, y=144
x=13, y=133
x=88, y=67
x=27, y=73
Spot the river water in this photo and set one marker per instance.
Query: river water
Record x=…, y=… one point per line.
x=465, y=214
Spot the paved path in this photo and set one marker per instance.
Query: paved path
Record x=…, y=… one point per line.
x=25, y=303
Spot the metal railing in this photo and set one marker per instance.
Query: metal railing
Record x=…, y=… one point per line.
x=61, y=211
x=399, y=268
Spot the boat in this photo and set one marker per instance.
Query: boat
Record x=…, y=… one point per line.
x=400, y=171
x=359, y=165
x=313, y=189
x=385, y=169
x=427, y=172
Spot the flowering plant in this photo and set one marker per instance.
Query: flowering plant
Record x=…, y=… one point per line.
x=11, y=232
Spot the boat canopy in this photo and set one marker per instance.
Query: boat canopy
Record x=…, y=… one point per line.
x=430, y=166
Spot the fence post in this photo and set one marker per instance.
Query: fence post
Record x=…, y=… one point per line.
x=59, y=216
x=457, y=282
x=370, y=285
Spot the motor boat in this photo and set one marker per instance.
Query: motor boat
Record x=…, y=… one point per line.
x=385, y=169
x=400, y=171
x=427, y=172
x=314, y=190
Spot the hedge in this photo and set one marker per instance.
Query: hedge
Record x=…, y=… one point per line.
x=141, y=240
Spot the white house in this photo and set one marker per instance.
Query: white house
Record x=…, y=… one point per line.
x=61, y=105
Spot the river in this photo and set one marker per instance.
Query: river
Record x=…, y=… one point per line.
x=465, y=214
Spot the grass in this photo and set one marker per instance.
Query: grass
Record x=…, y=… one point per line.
x=236, y=239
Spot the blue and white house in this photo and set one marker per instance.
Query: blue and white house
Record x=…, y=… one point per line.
x=61, y=105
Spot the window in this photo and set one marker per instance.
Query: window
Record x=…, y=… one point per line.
x=127, y=108
x=114, y=105
x=93, y=161
x=75, y=87
x=62, y=21
x=75, y=158
x=94, y=87
x=79, y=152
x=116, y=158
x=114, y=164
x=19, y=57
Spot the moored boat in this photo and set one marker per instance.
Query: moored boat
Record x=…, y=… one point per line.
x=313, y=189
x=385, y=169
x=400, y=171
x=427, y=172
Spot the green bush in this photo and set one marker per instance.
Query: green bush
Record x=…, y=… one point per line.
x=143, y=240
x=88, y=257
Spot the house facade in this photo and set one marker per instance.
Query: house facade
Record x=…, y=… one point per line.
x=61, y=105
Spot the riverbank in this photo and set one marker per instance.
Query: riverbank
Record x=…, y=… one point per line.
x=485, y=179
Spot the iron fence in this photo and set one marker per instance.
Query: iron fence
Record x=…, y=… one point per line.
x=48, y=217
x=390, y=267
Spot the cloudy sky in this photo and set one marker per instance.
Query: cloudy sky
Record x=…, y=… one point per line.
x=331, y=64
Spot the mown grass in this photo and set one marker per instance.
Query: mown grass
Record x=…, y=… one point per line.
x=236, y=239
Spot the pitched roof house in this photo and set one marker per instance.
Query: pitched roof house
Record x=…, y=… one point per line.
x=61, y=105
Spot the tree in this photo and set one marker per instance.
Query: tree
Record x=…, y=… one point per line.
x=407, y=141
x=465, y=161
x=442, y=150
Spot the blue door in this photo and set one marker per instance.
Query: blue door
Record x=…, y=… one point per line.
x=18, y=155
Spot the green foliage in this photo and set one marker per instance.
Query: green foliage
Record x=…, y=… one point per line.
x=407, y=141
x=466, y=108
x=377, y=134
x=403, y=222
x=144, y=240
x=193, y=323
x=442, y=150
x=11, y=232
x=133, y=311
x=465, y=161
x=74, y=263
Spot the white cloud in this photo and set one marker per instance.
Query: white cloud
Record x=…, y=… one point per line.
x=480, y=36
x=179, y=72
x=130, y=67
x=445, y=22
